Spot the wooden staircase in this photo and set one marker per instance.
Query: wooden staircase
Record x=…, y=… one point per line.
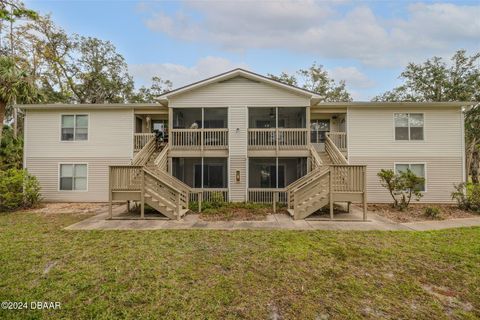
x=332, y=179
x=147, y=181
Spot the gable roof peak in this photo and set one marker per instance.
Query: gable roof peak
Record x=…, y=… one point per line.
x=234, y=73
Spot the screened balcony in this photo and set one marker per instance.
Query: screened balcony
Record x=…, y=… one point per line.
x=267, y=176
x=203, y=174
x=199, y=128
x=277, y=128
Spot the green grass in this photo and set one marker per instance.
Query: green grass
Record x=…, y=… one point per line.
x=203, y=274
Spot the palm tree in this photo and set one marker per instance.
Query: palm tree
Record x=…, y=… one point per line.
x=15, y=86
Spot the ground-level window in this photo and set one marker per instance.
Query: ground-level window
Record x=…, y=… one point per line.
x=408, y=126
x=74, y=127
x=417, y=168
x=73, y=177
x=275, y=172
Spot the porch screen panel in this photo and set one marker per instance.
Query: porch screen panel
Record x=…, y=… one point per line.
x=292, y=117
x=215, y=117
x=215, y=173
x=187, y=118
x=261, y=117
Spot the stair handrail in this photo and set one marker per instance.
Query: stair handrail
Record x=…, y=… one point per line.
x=141, y=158
x=335, y=154
x=317, y=161
x=162, y=157
x=169, y=185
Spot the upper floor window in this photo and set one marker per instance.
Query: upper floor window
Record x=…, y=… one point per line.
x=408, y=126
x=318, y=130
x=74, y=127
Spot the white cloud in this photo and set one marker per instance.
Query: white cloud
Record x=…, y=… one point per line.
x=321, y=28
x=181, y=75
x=353, y=77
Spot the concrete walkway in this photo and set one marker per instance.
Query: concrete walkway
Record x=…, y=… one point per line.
x=443, y=224
x=272, y=222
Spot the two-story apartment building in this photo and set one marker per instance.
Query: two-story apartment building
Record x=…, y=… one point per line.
x=243, y=137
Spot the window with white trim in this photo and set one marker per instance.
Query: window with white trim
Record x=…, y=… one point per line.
x=73, y=177
x=408, y=126
x=417, y=168
x=74, y=127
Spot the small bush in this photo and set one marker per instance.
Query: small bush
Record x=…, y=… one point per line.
x=467, y=196
x=18, y=190
x=432, y=212
x=402, y=186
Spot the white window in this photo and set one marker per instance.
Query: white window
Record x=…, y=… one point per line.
x=417, y=168
x=74, y=127
x=73, y=177
x=408, y=126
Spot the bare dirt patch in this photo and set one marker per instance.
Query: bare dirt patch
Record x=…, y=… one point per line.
x=71, y=207
x=416, y=212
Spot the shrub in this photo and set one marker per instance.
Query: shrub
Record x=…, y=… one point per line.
x=18, y=189
x=402, y=186
x=11, y=150
x=432, y=212
x=467, y=196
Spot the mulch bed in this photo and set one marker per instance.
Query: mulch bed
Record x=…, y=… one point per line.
x=416, y=212
x=238, y=214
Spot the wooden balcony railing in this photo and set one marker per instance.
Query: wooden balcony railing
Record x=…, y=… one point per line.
x=140, y=140
x=267, y=195
x=339, y=139
x=199, y=139
x=277, y=138
x=210, y=194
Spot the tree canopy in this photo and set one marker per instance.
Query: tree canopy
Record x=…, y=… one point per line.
x=437, y=80
x=316, y=79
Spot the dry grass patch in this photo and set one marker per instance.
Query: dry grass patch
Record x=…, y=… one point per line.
x=417, y=212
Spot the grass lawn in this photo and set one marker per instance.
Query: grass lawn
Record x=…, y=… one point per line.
x=203, y=274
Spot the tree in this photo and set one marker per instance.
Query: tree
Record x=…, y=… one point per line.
x=15, y=85
x=316, y=79
x=435, y=80
x=151, y=94
x=11, y=155
x=73, y=68
x=10, y=11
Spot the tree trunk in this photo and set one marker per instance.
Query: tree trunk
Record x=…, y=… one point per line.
x=474, y=166
x=3, y=108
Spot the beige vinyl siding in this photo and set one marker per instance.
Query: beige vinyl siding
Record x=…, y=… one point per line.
x=110, y=134
x=441, y=174
x=238, y=91
x=371, y=132
x=47, y=172
x=237, y=118
x=371, y=137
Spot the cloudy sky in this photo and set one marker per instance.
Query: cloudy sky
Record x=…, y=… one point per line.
x=365, y=43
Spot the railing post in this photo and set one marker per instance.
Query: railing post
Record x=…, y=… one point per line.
x=179, y=206
x=200, y=198
x=364, y=193
x=330, y=192
x=110, y=211
x=275, y=195
x=142, y=196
